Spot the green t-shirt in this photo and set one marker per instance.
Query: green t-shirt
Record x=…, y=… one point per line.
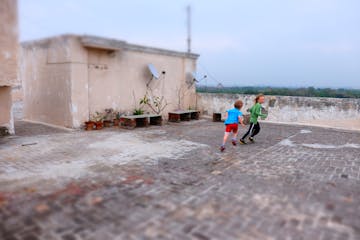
x=255, y=112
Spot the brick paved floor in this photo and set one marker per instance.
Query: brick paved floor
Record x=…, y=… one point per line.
x=171, y=182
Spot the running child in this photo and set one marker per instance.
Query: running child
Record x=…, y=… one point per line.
x=233, y=117
x=255, y=113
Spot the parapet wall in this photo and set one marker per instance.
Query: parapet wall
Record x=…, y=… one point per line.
x=288, y=109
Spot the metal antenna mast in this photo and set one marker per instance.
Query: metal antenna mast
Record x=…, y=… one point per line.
x=188, y=11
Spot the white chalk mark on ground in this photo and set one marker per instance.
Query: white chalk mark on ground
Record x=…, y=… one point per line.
x=304, y=131
x=287, y=142
x=324, y=146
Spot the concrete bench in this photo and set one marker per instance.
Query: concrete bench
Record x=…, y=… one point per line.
x=183, y=115
x=143, y=120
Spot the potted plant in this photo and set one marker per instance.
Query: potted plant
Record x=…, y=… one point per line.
x=98, y=119
x=138, y=111
x=117, y=119
x=155, y=103
x=108, y=118
x=89, y=125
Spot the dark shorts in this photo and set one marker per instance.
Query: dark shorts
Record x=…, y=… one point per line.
x=231, y=127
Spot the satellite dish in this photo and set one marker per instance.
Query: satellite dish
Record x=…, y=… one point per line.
x=191, y=79
x=194, y=76
x=153, y=71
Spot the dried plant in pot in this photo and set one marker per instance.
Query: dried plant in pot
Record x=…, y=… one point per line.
x=116, y=120
x=155, y=103
x=109, y=116
x=98, y=118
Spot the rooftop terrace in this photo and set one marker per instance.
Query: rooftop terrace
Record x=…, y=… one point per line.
x=172, y=182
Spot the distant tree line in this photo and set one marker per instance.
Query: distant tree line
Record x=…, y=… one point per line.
x=282, y=91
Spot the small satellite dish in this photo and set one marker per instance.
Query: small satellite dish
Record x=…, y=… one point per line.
x=192, y=78
x=195, y=77
x=153, y=71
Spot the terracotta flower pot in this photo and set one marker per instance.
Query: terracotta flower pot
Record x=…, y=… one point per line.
x=89, y=125
x=108, y=123
x=116, y=122
x=99, y=125
x=121, y=121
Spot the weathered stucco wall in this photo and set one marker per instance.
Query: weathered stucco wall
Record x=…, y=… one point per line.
x=6, y=117
x=8, y=42
x=83, y=79
x=45, y=71
x=287, y=109
x=123, y=81
x=8, y=60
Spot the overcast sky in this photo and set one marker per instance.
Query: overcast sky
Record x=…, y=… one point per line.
x=241, y=42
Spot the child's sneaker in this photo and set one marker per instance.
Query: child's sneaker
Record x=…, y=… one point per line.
x=242, y=141
x=233, y=142
x=251, y=139
x=222, y=148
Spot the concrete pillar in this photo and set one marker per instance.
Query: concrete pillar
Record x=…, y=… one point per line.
x=8, y=60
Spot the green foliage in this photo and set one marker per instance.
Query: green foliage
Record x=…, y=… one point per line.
x=118, y=115
x=145, y=100
x=138, y=111
x=281, y=91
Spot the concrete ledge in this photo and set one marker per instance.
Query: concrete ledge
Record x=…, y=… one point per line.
x=139, y=48
x=313, y=125
x=107, y=44
x=102, y=43
x=328, y=126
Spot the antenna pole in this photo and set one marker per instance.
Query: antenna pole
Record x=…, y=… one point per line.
x=188, y=11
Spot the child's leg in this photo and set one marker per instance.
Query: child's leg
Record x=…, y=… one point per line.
x=235, y=131
x=226, y=135
x=234, y=134
x=256, y=129
x=248, y=131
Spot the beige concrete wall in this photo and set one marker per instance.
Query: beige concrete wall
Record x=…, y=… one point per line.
x=6, y=118
x=8, y=59
x=120, y=81
x=8, y=42
x=45, y=71
x=17, y=93
x=284, y=109
x=81, y=80
x=79, y=83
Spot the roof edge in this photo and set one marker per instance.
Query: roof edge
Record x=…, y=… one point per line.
x=92, y=41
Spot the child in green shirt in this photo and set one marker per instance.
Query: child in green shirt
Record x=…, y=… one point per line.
x=255, y=113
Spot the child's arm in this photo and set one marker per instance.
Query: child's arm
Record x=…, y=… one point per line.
x=241, y=120
x=226, y=115
x=258, y=112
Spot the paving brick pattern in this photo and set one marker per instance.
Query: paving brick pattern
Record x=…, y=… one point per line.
x=293, y=183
